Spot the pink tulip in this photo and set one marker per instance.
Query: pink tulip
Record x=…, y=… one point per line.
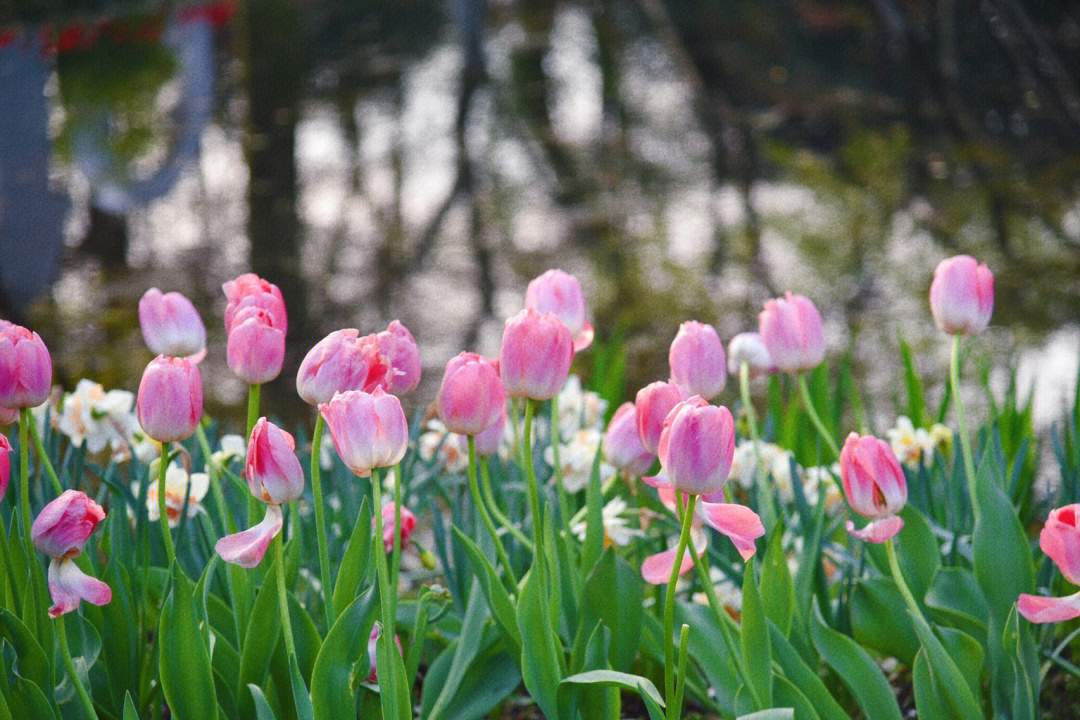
x=408, y=525
x=273, y=471
x=874, y=485
x=536, y=355
x=5, y=464
x=471, y=397
x=25, y=368
x=247, y=548
x=622, y=443
x=61, y=528
x=1060, y=541
x=171, y=325
x=373, y=651
x=489, y=439
x=397, y=343
x=252, y=291
x=791, y=330
x=170, y=401
x=697, y=446
x=653, y=403
x=739, y=523
x=68, y=586
x=749, y=348
x=256, y=349
x=962, y=295
x=369, y=430
x=560, y=293
x=340, y=362
x=697, y=362
x=656, y=569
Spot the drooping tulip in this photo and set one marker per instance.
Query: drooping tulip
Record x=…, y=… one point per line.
x=340, y=362
x=653, y=403
x=61, y=531
x=399, y=346
x=171, y=325
x=697, y=362
x=791, y=330
x=749, y=348
x=697, y=446
x=874, y=485
x=560, y=293
x=25, y=368
x=535, y=357
x=408, y=525
x=962, y=295
x=1060, y=541
x=622, y=442
x=5, y=464
x=272, y=470
x=250, y=290
x=170, y=400
x=369, y=430
x=471, y=397
x=256, y=346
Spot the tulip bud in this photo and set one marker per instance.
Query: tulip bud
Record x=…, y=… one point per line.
x=340, y=362
x=256, y=349
x=170, y=400
x=536, y=354
x=489, y=439
x=369, y=430
x=622, y=443
x=408, y=525
x=962, y=295
x=397, y=343
x=25, y=368
x=791, y=330
x=1060, y=541
x=560, y=293
x=61, y=528
x=697, y=361
x=874, y=485
x=171, y=325
x=697, y=446
x=273, y=471
x=653, y=403
x=5, y=464
x=471, y=396
x=250, y=290
x=749, y=348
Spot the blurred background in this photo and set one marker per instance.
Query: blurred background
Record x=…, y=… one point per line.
x=423, y=159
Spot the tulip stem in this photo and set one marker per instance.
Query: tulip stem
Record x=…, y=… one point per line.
x=254, y=393
x=564, y=500
x=320, y=519
x=163, y=515
x=961, y=421
x=722, y=618
x=765, y=504
x=24, y=480
x=684, y=646
x=385, y=602
x=69, y=665
x=215, y=480
x=673, y=711
x=283, y=603
x=44, y=458
x=395, y=557
x=489, y=498
x=482, y=510
x=534, y=495
x=804, y=390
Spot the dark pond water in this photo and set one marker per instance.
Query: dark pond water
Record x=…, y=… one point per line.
x=422, y=159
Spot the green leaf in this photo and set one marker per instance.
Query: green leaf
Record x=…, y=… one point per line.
x=395, y=703
x=594, y=522
x=472, y=633
x=613, y=594
x=772, y=714
x=927, y=702
x=955, y=599
x=540, y=666
x=262, y=708
x=129, y=707
x=502, y=609
x=808, y=681
x=918, y=553
x=184, y=663
x=754, y=637
x=916, y=405
x=879, y=620
x=1001, y=551
x=777, y=587
x=331, y=680
x=634, y=683
x=354, y=563
x=32, y=663
x=261, y=638
x=951, y=686
x=787, y=695
x=27, y=695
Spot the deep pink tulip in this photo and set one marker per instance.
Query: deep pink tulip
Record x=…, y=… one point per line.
x=170, y=400
x=489, y=439
x=273, y=471
x=791, y=330
x=340, y=362
x=256, y=349
x=25, y=368
x=369, y=430
x=697, y=446
x=471, y=397
x=653, y=403
x=749, y=348
x=408, y=526
x=697, y=362
x=1060, y=541
x=536, y=354
x=560, y=293
x=250, y=290
x=171, y=325
x=5, y=464
x=247, y=548
x=398, y=344
x=622, y=443
x=874, y=485
x=61, y=528
x=962, y=295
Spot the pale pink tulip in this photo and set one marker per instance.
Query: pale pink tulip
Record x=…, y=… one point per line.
x=962, y=295
x=170, y=400
x=252, y=291
x=369, y=430
x=25, y=368
x=791, y=330
x=273, y=471
x=622, y=443
x=171, y=325
x=874, y=485
x=560, y=293
x=697, y=362
x=489, y=439
x=62, y=527
x=653, y=403
x=471, y=397
x=697, y=445
x=68, y=586
x=340, y=362
x=536, y=354
x=398, y=344
x=256, y=347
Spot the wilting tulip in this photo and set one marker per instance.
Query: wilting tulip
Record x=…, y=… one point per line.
x=1060, y=541
x=697, y=446
x=256, y=347
x=60, y=531
x=25, y=368
x=560, y=293
x=247, y=548
x=5, y=464
x=250, y=290
x=962, y=295
x=369, y=430
x=408, y=525
x=273, y=471
x=488, y=440
x=340, y=362
x=697, y=361
x=536, y=354
x=791, y=330
x=471, y=397
x=397, y=343
x=171, y=325
x=170, y=400
x=653, y=403
x=874, y=485
x=622, y=443
x=749, y=348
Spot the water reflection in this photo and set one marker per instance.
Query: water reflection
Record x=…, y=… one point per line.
x=423, y=159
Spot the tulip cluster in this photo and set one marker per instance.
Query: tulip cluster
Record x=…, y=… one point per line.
x=60, y=531
x=255, y=323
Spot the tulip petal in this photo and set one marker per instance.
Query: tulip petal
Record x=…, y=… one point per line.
x=741, y=524
x=68, y=585
x=879, y=530
x=585, y=338
x=1040, y=609
x=247, y=548
x=657, y=568
x=659, y=480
